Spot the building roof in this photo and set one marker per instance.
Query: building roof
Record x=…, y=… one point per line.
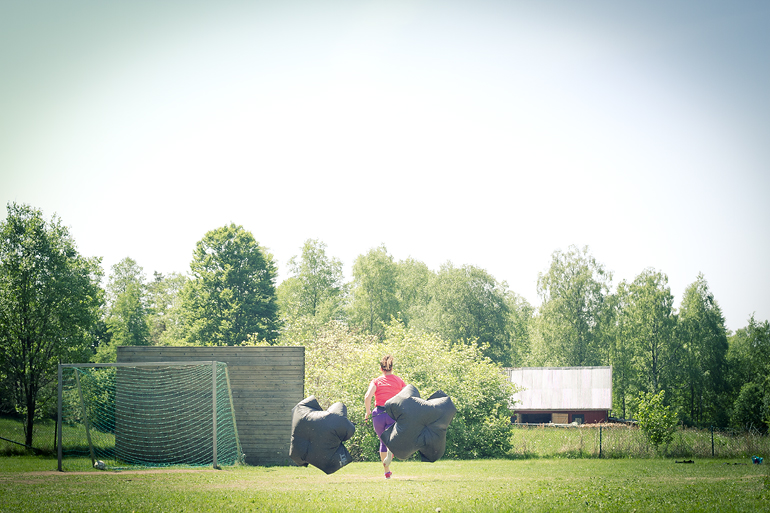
x=562, y=388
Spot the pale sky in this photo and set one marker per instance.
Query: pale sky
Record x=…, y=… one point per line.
x=489, y=133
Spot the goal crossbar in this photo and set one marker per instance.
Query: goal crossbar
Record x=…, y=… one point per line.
x=140, y=364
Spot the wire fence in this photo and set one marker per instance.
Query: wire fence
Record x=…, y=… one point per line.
x=530, y=441
x=628, y=441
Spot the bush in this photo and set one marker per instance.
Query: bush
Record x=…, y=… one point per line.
x=656, y=421
x=340, y=363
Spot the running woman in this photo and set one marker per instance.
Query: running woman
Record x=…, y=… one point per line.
x=383, y=388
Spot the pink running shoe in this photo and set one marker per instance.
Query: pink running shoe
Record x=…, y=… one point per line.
x=388, y=474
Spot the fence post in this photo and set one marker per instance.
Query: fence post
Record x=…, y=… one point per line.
x=712, y=441
x=600, y=441
x=214, y=404
x=58, y=421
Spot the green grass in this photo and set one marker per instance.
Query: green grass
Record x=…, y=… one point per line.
x=44, y=437
x=550, y=469
x=652, y=484
x=13, y=429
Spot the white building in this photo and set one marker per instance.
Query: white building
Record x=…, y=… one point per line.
x=562, y=395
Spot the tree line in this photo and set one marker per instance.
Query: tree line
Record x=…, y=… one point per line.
x=53, y=308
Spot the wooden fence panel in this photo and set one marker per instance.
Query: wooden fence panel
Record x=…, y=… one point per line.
x=266, y=383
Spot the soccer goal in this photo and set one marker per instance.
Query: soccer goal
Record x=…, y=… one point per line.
x=128, y=415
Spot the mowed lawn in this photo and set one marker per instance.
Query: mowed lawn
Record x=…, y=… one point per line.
x=30, y=484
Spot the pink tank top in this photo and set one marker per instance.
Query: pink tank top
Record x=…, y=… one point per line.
x=386, y=387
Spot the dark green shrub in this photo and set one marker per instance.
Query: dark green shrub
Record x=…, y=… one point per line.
x=747, y=410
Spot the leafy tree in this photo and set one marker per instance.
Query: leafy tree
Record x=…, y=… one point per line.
x=656, y=420
x=748, y=411
x=748, y=355
x=374, y=291
x=125, y=274
x=295, y=327
x=649, y=320
x=460, y=304
x=413, y=279
x=49, y=302
x=469, y=305
x=321, y=280
x=573, y=293
x=164, y=299
x=314, y=294
x=127, y=310
x=621, y=348
x=520, y=314
x=749, y=366
x=231, y=294
x=701, y=330
x=758, y=334
x=741, y=366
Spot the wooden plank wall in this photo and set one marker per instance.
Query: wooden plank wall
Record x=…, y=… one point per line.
x=266, y=382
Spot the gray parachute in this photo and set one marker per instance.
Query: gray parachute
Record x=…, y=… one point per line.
x=317, y=435
x=421, y=424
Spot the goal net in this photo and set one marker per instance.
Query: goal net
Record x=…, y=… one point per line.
x=146, y=415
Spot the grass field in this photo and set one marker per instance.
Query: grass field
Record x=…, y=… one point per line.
x=548, y=470
x=29, y=483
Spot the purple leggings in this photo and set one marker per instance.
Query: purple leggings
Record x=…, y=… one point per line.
x=381, y=421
